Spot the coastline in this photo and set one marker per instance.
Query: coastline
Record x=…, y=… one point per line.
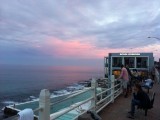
x=21, y=98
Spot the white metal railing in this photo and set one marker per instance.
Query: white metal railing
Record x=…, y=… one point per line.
x=58, y=114
x=98, y=100
x=106, y=96
x=69, y=97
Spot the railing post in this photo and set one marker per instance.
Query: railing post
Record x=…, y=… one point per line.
x=112, y=86
x=44, y=103
x=121, y=87
x=93, y=101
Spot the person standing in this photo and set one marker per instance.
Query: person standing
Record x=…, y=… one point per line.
x=157, y=76
x=153, y=73
x=130, y=78
x=125, y=80
x=135, y=76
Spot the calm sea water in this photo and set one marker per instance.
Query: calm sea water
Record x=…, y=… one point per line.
x=19, y=82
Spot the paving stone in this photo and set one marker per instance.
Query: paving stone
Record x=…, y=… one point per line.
x=119, y=109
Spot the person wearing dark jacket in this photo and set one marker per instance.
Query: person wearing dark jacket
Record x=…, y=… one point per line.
x=128, y=70
x=140, y=99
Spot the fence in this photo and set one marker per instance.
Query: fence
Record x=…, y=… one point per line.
x=96, y=99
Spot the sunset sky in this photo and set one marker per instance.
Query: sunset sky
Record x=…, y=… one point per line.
x=76, y=32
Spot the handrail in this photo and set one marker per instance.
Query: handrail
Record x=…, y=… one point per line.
x=72, y=107
x=70, y=96
x=37, y=109
x=75, y=118
x=62, y=112
x=104, y=91
x=107, y=95
x=108, y=89
x=104, y=106
x=102, y=100
x=112, y=92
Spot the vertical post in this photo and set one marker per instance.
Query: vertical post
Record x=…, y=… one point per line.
x=93, y=86
x=112, y=86
x=44, y=103
x=104, y=67
x=135, y=62
x=121, y=87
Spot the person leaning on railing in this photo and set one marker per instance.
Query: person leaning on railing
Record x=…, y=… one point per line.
x=125, y=80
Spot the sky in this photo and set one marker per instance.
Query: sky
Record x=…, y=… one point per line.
x=76, y=32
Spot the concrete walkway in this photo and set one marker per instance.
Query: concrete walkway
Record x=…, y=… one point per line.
x=119, y=109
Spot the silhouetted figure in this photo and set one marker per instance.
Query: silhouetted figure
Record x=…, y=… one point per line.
x=130, y=78
x=153, y=73
x=140, y=99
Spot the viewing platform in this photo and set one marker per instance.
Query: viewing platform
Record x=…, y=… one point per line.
x=107, y=101
x=119, y=109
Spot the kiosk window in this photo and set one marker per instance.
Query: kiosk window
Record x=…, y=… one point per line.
x=117, y=61
x=142, y=62
x=129, y=61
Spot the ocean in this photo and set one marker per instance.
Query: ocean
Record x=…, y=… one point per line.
x=18, y=83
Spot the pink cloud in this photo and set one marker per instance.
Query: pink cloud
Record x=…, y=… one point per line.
x=72, y=48
x=76, y=49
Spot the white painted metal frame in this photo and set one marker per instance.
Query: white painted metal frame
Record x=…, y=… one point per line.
x=45, y=105
x=113, y=94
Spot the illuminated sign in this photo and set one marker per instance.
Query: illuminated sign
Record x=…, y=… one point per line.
x=129, y=54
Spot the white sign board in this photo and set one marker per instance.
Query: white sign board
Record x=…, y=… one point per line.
x=129, y=54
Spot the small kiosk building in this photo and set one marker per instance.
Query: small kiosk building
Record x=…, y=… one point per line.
x=142, y=62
